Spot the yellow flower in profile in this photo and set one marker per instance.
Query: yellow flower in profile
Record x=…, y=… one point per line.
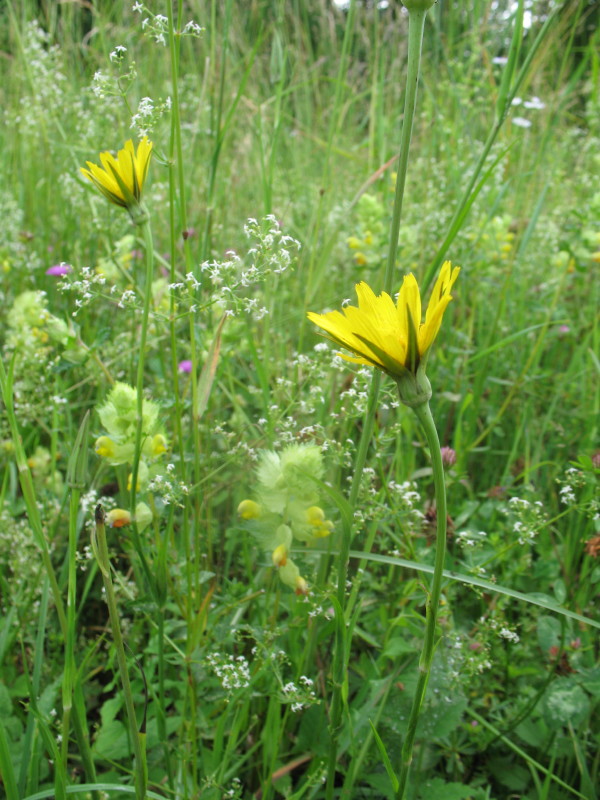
x=391, y=336
x=121, y=179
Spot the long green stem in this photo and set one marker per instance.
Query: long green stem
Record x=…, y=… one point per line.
x=415, y=38
x=137, y=737
x=423, y=413
x=141, y=362
x=141, y=358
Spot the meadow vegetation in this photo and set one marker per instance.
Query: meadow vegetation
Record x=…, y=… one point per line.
x=181, y=452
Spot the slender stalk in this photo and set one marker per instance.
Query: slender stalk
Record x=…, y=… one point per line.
x=149, y=272
x=141, y=359
x=416, y=24
x=423, y=413
x=138, y=739
x=69, y=670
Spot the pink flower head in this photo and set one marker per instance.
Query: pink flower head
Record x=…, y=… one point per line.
x=448, y=456
x=59, y=269
x=185, y=366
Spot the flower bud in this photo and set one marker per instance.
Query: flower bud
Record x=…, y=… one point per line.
x=158, y=445
x=118, y=518
x=279, y=556
x=448, y=456
x=105, y=447
x=248, y=509
x=315, y=515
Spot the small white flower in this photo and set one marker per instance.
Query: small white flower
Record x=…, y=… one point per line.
x=535, y=103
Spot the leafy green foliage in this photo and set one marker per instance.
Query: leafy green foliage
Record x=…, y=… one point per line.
x=270, y=193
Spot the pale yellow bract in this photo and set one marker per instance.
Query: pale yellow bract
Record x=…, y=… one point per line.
x=380, y=332
x=121, y=179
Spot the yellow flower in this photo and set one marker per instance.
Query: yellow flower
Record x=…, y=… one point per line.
x=391, y=336
x=279, y=556
x=121, y=179
x=118, y=518
x=105, y=447
x=248, y=509
x=385, y=335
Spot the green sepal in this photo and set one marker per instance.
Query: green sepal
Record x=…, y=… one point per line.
x=414, y=389
x=388, y=364
x=412, y=355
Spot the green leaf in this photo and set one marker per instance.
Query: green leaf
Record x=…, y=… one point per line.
x=398, y=646
x=548, y=633
x=112, y=741
x=385, y=758
x=438, y=789
x=439, y=719
x=564, y=702
x=590, y=680
x=494, y=588
x=207, y=376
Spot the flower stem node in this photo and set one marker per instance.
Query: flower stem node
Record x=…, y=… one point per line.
x=248, y=509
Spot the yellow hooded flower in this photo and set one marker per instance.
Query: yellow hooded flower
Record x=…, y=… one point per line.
x=121, y=179
x=391, y=336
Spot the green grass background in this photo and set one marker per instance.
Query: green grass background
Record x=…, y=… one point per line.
x=294, y=110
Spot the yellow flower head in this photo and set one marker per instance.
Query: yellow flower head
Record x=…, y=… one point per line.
x=121, y=179
x=391, y=336
x=118, y=518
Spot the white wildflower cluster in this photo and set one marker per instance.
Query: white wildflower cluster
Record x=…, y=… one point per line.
x=474, y=653
x=84, y=558
x=192, y=28
x=118, y=53
x=468, y=539
x=155, y=26
x=526, y=518
x=128, y=299
x=503, y=630
x=234, y=791
x=407, y=500
x=300, y=695
x=118, y=80
x=21, y=566
x=84, y=285
x=233, y=672
x=170, y=490
x=573, y=479
x=461, y=659
x=46, y=81
x=511, y=636
x=231, y=279
x=535, y=104
x=148, y=114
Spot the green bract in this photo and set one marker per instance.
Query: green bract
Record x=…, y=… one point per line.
x=119, y=414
